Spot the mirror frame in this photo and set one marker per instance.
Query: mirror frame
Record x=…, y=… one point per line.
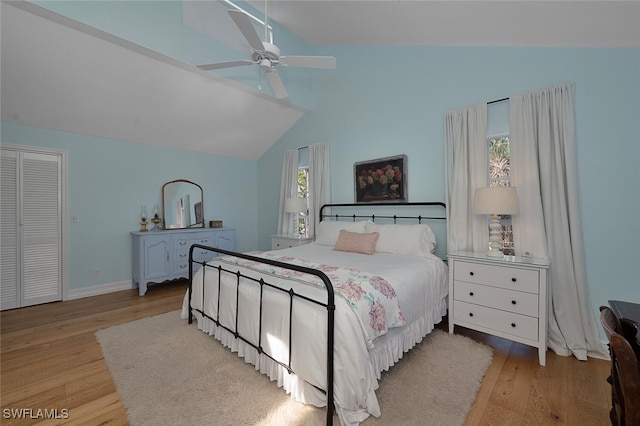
x=164, y=217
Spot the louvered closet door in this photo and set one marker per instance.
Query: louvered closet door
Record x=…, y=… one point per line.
x=37, y=229
x=41, y=211
x=9, y=294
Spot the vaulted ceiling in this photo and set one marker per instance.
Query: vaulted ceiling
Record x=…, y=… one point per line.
x=63, y=75
x=554, y=23
x=53, y=78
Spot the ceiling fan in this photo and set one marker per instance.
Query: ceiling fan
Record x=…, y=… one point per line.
x=267, y=55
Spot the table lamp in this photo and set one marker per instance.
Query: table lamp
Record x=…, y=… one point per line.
x=295, y=205
x=495, y=201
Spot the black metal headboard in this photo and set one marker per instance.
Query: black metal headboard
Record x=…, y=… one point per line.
x=432, y=213
x=374, y=216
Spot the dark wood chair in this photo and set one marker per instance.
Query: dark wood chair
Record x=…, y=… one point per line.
x=625, y=372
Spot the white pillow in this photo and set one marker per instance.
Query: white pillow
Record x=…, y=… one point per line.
x=408, y=240
x=328, y=231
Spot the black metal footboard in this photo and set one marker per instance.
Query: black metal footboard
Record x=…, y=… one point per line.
x=329, y=305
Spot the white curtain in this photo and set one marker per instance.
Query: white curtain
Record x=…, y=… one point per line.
x=466, y=166
x=319, y=183
x=544, y=169
x=288, y=189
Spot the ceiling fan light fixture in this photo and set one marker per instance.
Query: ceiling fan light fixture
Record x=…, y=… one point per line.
x=265, y=64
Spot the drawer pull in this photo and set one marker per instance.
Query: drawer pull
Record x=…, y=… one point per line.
x=470, y=293
x=513, y=302
x=513, y=324
x=513, y=280
x=470, y=314
x=471, y=273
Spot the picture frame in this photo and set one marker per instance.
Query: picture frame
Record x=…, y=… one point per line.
x=197, y=207
x=381, y=180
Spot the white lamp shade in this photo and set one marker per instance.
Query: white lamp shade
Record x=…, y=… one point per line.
x=496, y=200
x=295, y=205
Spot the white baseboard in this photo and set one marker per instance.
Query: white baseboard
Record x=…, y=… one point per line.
x=97, y=290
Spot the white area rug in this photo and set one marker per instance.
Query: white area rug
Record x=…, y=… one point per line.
x=168, y=372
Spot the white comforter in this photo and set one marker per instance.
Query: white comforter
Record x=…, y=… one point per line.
x=421, y=287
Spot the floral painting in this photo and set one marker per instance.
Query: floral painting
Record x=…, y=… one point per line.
x=381, y=180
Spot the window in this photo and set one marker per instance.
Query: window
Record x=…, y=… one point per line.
x=258, y=23
x=303, y=192
x=500, y=175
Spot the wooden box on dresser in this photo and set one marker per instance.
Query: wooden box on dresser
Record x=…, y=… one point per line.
x=164, y=255
x=504, y=298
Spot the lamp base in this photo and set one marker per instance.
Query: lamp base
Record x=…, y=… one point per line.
x=495, y=237
x=495, y=253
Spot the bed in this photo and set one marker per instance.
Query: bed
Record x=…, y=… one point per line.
x=325, y=319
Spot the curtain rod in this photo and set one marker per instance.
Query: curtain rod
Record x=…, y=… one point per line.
x=497, y=100
x=303, y=147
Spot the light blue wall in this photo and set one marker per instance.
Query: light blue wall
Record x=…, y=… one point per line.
x=109, y=181
x=380, y=101
x=384, y=101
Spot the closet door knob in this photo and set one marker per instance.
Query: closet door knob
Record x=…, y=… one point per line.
x=471, y=273
x=513, y=324
x=470, y=314
x=513, y=302
x=470, y=293
x=514, y=280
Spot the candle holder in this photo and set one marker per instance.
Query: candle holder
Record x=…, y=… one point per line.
x=143, y=219
x=156, y=219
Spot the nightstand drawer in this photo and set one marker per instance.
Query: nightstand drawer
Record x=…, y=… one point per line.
x=507, y=300
x=495, y=319
x=497, y=275
x=278, y=243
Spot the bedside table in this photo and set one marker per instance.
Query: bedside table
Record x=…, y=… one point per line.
x=285, y=241
x=503, y=298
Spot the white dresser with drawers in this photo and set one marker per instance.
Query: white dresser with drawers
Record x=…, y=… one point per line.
x=164, y=255
x=503, y=298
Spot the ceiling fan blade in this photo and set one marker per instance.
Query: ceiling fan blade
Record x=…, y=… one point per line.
x=276, y=84
x=326, y=62
x=208, y=67
x=243, y=22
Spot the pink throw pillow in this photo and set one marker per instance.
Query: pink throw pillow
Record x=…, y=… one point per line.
x=355, y=242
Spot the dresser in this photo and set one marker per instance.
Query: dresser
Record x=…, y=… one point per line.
x=285, y=241
x=164, y=255
x=503, y=298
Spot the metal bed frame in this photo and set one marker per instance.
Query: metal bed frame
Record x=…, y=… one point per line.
x=328, y=304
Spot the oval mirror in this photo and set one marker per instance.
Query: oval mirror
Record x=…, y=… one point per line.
x=182, y=205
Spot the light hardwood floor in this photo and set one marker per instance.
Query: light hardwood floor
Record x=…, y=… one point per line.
x=51, y=360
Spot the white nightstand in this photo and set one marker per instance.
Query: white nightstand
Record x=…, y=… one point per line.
x=285, y=241
x=507, y=299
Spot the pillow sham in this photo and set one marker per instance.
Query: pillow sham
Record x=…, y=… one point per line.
x=328, y=231
x=408, y=240
x=355, y=242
